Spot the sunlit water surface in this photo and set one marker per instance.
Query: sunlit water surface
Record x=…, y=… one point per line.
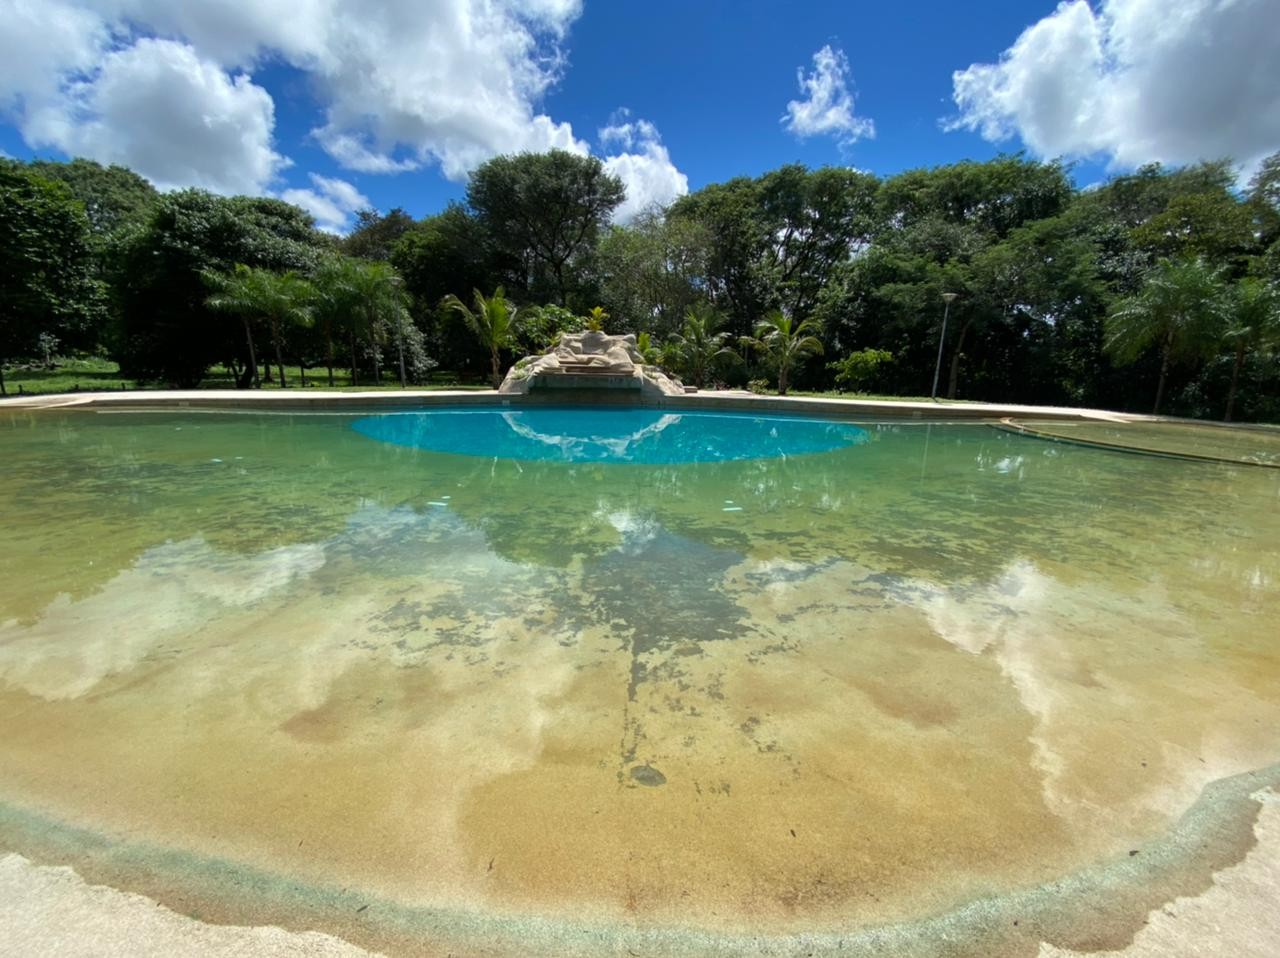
x=866, y=675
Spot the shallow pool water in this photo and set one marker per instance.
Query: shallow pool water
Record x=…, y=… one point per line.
x=854, y=680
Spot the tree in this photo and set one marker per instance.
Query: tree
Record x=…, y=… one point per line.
x=362, y=300
x=785, y=342
x=282, y=300
x=45, y=282
x=163, y=327
x=113, y=196
x=1178, y=311
x=545, y=212
x=700, y=346
x=374, y=236
x=651, y=271
x=493, y=321
x=1253, y=323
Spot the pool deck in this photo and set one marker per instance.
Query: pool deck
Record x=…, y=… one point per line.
x=723, y=401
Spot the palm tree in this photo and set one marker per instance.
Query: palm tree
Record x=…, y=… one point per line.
x=784, y=342
x=283, y=300
x=360, y=299
x=1254, y=324
x=699, y=345
x=493, y=321
x=1177, y=310
x=380, y=302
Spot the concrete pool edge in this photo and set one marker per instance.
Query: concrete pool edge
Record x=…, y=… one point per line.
x=727, y=401
x=1102, y=907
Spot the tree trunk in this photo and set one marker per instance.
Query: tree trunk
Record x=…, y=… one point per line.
x=497, y=368
x=275, y=339
x=302, y=371
x=782, y=379
x=377, y=361
x=354, y=380
x=1164, y=373
x=955, y=361
x=404, y=381
x=328, y=358
x=253, y=356
x=1235, y=381
x=3, y=390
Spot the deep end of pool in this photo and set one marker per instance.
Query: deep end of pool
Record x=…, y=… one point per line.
x=609, y=435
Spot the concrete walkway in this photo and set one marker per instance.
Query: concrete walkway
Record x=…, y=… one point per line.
x=726, y=400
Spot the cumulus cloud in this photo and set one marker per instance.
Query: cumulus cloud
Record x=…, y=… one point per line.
x=168, y=88
x=642, y=163
x=331, y=202
x=827, y=105
x=161, y=109
x=1135, y=81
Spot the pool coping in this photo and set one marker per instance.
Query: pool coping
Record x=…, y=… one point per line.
x=721, y=401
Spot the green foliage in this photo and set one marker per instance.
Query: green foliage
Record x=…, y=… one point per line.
x=375, y=236
x=46, y=285
x=1060, y=292
x=113, y=196
x=699, y=348
x=1252, y=325
x=1179, y=311
x=540, y=326
x=280, y=300
x=546, y=210
x=493, y=321
x=164, y=328
x=594, y=320
x=785, y=342
x=860, y=370
x=650, y=271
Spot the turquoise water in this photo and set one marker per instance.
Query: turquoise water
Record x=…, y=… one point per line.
x=640, y=436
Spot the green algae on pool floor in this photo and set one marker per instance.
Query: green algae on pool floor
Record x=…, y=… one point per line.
x=826, y=692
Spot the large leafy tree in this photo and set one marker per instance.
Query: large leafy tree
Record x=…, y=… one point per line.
x=1178, y=312
x=281, y=300
x=785, y=342
x=652, y=270
x=165, y=329
x=45, y=281
x=375, y=234
x=493, y=321
x=545, y=212
x=113, y=196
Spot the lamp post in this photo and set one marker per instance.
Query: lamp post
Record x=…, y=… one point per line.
x=937, y=369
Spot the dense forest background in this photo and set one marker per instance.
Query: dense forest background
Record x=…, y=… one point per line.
x=1155, y=288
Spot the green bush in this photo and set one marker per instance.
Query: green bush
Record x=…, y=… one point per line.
x=859, y=371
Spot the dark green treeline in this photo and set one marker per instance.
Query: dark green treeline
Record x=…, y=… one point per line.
x=1157, y=287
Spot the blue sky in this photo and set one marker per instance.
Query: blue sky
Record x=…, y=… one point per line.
x=336, y=104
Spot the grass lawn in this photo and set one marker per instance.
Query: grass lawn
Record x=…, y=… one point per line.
x=96, y=374
x=875, y=397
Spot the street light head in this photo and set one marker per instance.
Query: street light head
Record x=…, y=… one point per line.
x=949, y=297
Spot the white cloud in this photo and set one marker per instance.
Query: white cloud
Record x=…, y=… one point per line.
x=1136, y=81
x=827, y=107
x=644, y=165
x=178, y=119
x=168, y=88
x=331, y=202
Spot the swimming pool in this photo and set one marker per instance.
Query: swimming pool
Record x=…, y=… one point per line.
x=554, y=681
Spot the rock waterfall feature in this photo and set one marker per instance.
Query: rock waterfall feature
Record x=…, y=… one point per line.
x=591, y=360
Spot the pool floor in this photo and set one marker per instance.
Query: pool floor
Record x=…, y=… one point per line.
x=268, y=656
